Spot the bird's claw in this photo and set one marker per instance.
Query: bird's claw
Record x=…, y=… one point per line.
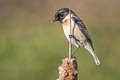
x=70, y=36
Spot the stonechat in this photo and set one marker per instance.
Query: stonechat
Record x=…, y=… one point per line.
x=79, y=36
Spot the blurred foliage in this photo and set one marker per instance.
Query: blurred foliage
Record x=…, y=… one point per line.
x=31, y=48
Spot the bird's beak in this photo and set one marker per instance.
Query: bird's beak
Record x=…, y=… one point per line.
x=54, y=20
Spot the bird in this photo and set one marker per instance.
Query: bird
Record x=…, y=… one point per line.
x=80, y=36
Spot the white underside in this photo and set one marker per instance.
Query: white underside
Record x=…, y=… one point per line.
x=67, y=31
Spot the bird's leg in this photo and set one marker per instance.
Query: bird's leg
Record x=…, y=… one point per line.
x=75, y=50
x=72, y=36
x=76, y=40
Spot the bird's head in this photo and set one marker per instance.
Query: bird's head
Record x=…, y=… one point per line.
x=61, y=14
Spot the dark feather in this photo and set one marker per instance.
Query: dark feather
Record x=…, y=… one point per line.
x=83, y=28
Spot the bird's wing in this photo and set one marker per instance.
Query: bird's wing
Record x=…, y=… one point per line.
x=83, y=29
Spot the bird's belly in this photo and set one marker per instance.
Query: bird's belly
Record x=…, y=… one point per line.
x=66, y=27
x=67, y=33
x=66, y=30
x=77, y=34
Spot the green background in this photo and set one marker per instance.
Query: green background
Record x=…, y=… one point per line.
x=31, y=48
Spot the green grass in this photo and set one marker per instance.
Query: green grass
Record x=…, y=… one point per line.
x=33, y=51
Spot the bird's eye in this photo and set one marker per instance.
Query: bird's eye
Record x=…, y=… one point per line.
x=62, y=15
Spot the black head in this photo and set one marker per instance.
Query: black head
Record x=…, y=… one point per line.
x=61, y=14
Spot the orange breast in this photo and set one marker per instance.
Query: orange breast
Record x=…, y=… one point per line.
x=66, y=23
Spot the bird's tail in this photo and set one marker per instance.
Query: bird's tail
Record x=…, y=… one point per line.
x=89, y=48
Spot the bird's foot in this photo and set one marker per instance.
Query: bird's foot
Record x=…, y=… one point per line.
x=71, y=36
x=75, y=50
